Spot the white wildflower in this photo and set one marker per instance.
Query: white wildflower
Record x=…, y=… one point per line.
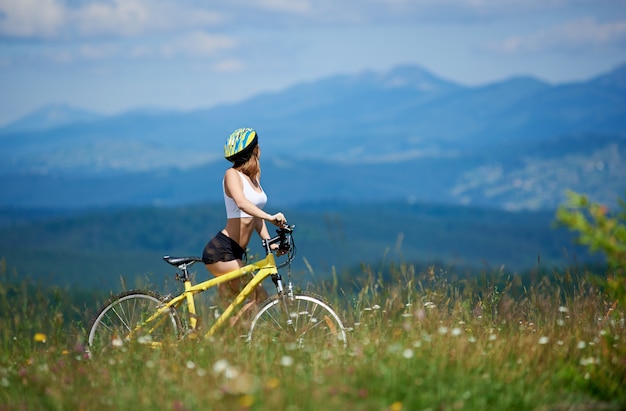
x=588, y=361
x=231, y=373
x=286, y=361
x=220, y=366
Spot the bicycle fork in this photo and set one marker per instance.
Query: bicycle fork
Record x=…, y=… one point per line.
x=284, y=296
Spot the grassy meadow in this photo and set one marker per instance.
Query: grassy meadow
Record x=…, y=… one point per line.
x=417, y=341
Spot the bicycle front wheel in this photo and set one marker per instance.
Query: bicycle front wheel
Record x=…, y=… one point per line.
x=306, y=321
x=122, y=319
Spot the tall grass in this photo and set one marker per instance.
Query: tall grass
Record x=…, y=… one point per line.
x=417, y=341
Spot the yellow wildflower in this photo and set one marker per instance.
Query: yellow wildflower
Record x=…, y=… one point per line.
x=246, y=401
x=272, y=383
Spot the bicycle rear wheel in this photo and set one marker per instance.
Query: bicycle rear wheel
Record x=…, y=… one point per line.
x=306, y=321
x=124, y=313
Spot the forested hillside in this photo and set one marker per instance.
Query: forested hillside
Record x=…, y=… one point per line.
x=96, y=248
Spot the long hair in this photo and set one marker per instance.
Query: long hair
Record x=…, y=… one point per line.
x=251, y=167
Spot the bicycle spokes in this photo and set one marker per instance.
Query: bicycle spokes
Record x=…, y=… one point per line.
x=306, y=321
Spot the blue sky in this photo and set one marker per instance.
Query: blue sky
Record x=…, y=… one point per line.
x=111, y=56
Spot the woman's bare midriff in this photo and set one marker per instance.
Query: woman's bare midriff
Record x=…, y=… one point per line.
x=240, y=229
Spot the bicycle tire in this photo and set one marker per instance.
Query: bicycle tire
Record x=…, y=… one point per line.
x=314, y=324
x=125, y=312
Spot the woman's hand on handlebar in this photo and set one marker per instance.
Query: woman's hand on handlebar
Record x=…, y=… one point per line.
x=278, y=220
x=279, y=252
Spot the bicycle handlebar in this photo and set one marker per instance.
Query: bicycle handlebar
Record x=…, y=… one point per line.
x=282, y=238
x=285, y=242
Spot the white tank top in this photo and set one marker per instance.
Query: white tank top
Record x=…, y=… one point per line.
x=256, y=198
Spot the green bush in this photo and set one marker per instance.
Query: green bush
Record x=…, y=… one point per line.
x=605, y=232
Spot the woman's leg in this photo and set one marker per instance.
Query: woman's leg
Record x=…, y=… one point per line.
x=229, y=290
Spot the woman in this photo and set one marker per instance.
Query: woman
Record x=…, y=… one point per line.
x=244, y=199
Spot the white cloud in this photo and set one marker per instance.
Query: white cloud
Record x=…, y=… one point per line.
x=229, y=65
x=138, y=17
x=31, y=18
x=98, y=51
x=139, y=52
x=51, y=19
x=405, y=11
x=289, y=6
x=59, y=56
x=125, y=17
x=572, y=35
x=56, y=18
x=198, y=44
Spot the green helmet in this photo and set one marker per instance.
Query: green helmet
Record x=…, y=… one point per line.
x=240, y=144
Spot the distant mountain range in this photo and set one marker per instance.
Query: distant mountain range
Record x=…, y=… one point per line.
x=403, y=134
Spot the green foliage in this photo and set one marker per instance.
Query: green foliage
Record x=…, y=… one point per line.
x=600, y=231
x=606, y=233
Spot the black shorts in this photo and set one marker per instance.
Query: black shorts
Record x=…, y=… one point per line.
x=222, y=248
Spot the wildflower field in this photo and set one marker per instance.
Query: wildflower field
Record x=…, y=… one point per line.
x=417, y=341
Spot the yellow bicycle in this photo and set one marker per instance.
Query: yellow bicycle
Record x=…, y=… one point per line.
x=146, y=317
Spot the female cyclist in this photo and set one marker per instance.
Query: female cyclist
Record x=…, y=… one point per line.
x=244, y=199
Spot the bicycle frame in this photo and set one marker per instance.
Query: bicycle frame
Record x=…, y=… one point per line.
x=263, y=269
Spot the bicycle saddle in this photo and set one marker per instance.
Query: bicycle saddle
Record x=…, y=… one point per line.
x=178, y=261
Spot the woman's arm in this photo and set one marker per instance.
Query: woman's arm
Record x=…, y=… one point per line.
x=261, y=228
